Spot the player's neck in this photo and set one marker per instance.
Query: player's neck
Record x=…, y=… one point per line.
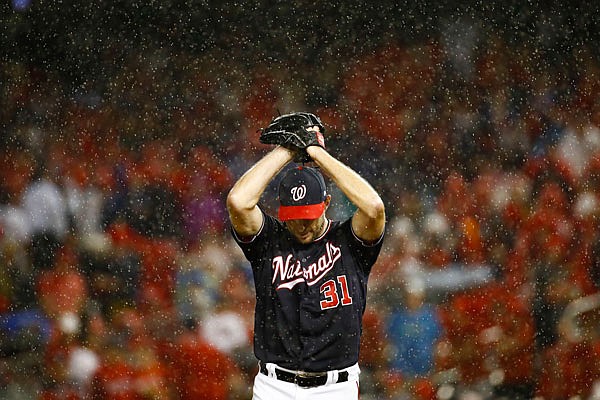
x=323, y=227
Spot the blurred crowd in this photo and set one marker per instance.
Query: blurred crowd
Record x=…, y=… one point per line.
x=119, y=278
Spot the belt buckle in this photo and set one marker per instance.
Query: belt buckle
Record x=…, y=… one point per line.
x=299, y=378
x=303, y=379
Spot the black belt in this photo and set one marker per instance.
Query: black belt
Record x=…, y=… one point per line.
x=307, y=379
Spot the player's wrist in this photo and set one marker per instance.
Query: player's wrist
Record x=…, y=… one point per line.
x=285, y=150
x=314, y=150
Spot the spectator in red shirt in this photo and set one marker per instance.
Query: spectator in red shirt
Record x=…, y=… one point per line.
x=200, y=371
x=63, y=288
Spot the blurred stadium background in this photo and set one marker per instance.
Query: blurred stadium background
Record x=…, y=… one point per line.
x=124, y=123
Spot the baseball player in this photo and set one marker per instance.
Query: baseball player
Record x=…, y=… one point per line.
x=310, y=272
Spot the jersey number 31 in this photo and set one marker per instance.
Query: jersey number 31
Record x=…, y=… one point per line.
x=332, y=295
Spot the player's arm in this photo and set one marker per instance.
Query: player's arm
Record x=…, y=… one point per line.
x=368, y=222
x=242, y=200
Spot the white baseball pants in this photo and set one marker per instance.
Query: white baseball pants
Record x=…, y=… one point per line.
x=268, y=387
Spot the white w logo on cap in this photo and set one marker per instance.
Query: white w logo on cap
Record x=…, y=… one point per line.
x=298, y=192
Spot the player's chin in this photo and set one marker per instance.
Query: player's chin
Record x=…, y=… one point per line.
x=304, y=239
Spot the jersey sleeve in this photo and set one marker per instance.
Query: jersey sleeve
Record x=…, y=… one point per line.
x=256, y=246
x=366, y=253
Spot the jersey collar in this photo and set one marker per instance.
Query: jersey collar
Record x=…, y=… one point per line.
x=328, y=222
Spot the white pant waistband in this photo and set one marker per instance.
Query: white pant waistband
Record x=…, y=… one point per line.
x=352, y=372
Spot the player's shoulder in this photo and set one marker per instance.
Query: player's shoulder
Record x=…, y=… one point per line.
x=270, y=227
x=339, y=228
x=273, y=227
x=345, y=228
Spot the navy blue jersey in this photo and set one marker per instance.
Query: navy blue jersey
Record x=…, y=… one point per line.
x=310, y=297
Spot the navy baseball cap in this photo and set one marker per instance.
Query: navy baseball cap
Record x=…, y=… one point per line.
x=302, y=194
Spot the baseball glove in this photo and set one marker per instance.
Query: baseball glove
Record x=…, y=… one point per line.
x=291, y=131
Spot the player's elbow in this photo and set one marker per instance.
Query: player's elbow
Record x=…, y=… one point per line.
x=237, y=202
x=376, y=209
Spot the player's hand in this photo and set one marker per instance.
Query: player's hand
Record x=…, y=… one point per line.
x=296, y=131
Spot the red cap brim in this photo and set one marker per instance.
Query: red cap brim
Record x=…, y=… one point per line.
x=311, y=211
